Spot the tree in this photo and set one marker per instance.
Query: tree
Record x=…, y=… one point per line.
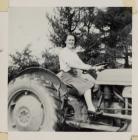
x=79, y=21
x=51, y=62
x=93, y=27
x=64, y=21
x=89, y=39
x=115, y=24
x=20, y=61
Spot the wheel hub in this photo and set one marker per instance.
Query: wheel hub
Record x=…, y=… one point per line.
x=27, y=114
x=24, y=115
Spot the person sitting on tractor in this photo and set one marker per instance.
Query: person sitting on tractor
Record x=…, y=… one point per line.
x=69, y=63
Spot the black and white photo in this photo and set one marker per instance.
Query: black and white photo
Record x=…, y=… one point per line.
x=70, y=69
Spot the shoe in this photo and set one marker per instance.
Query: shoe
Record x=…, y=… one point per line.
x=100, y=112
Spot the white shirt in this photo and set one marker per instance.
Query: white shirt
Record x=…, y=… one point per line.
x=69, y=59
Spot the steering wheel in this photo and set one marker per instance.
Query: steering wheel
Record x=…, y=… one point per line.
x=93, y=72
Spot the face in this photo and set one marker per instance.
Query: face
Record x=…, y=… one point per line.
x=70, y=41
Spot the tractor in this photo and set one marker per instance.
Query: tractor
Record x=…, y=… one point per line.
x=39, y=101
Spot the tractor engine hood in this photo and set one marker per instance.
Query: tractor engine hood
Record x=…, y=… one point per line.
x=114, y=77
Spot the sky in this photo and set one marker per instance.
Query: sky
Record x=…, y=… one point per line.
x=29, y=26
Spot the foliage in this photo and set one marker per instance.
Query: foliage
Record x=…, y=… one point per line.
x=20, y=61
x=24, y=59
x=94, y=27
x=51, y=62
x=79, y=21
x=115, y=25
x=64, y=21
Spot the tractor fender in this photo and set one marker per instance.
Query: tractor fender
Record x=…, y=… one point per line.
x=49, y=78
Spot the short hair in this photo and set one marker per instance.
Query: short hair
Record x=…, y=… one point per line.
x=71, y=34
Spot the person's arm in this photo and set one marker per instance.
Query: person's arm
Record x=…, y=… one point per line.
x=76, y=62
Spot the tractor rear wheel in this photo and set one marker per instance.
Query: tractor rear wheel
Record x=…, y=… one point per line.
x=31, y=106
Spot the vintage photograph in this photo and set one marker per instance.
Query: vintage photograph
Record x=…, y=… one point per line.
x=70, y=69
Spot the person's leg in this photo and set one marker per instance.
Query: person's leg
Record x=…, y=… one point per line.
x=88, y=99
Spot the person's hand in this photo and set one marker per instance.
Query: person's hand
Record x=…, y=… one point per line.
x=90, y=67
x=99, y=68
x=96, y=68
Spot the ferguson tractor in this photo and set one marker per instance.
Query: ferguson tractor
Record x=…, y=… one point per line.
x=40, y=101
